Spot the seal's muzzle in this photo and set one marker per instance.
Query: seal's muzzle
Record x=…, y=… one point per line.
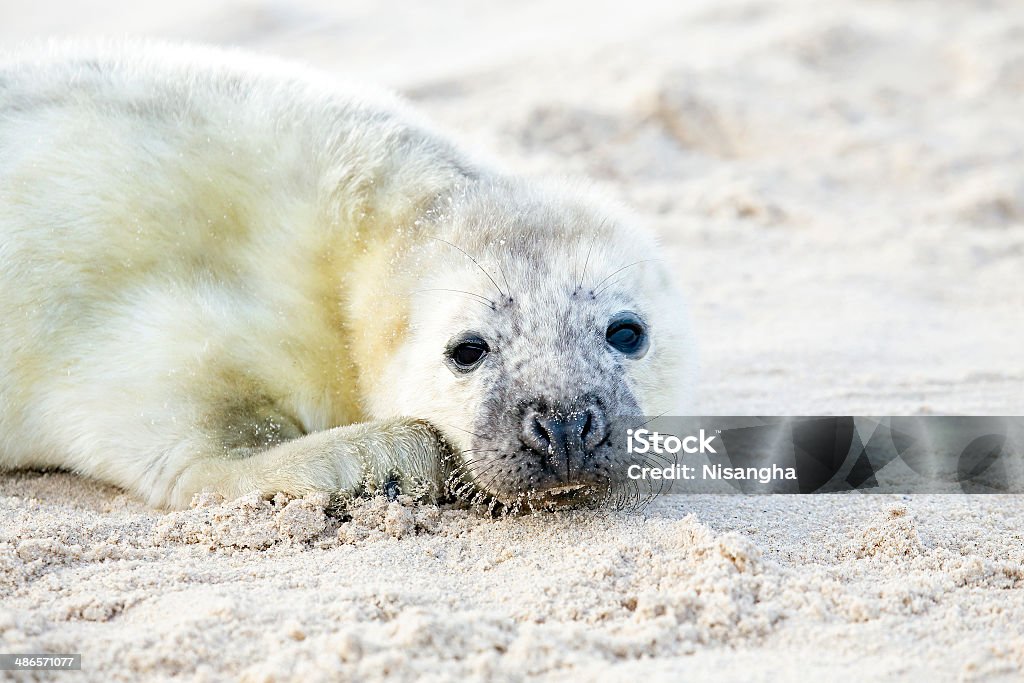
x=564, y=436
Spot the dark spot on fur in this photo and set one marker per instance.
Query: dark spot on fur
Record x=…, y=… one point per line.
x=249, y=418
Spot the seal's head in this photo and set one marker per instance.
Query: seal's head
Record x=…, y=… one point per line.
x=538, y=324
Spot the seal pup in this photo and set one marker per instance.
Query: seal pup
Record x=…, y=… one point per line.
x=220, y=271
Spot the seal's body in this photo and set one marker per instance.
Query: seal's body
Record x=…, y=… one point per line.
x=218, y=271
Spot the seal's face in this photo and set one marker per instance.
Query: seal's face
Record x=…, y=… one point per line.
x=535, y=342
x=551, y=366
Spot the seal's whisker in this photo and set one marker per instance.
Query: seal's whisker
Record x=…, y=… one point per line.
x=612, y=283
x=586, y=262
x=505, y=278
x=490, y=481
x=627, y=496
x=494, y=477
x=476, y=297
x=458, y=474
x=475, y=262
x=633, y=500
x=658, y=459
x=443, y=424
x=597, y=287
x=472, y=478
x=462, y=474
x=649, y=420
x=469, y=463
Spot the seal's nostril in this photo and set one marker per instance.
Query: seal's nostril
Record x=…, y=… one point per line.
x=595, y=428
x=541, y=434
x=588, y=424
x=562, y=434
x=537, y=432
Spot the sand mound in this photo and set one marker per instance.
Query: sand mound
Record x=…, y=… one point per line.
x=249, y=522
x=290, y=589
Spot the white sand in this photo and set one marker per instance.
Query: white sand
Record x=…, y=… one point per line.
x=842, y=187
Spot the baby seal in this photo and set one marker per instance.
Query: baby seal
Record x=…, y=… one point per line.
x=224, y=272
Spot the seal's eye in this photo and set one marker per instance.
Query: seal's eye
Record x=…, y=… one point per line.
x=628, y=335
x=466, y=352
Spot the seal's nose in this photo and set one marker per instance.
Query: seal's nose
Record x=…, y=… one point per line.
x=564, y=436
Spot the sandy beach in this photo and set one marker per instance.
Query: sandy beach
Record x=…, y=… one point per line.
x=840, y=187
